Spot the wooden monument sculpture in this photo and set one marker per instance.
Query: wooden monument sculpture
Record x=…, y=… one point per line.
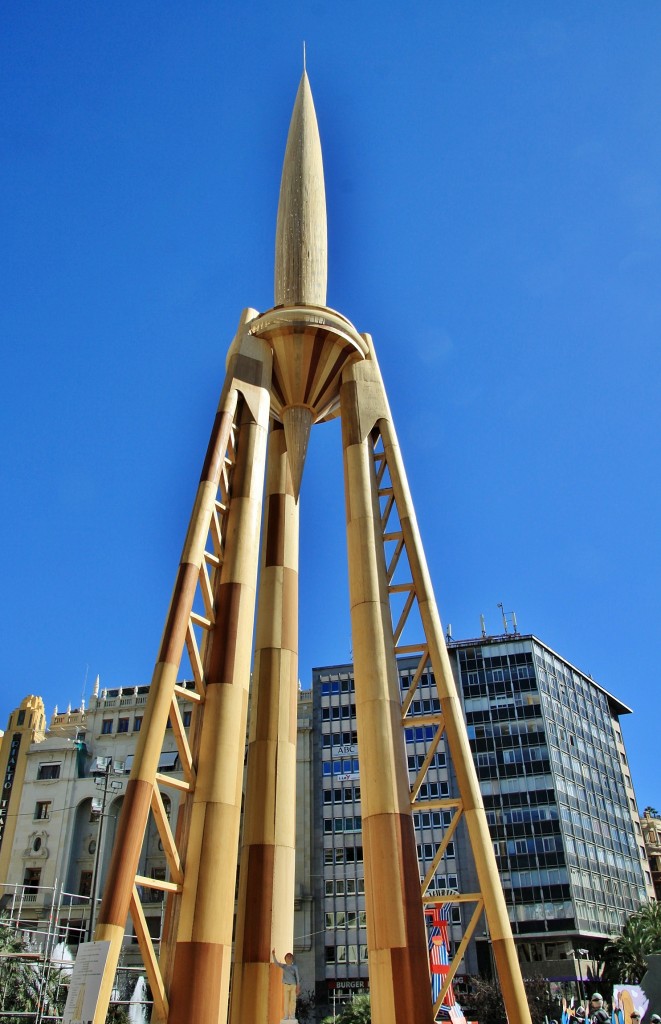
x=298, y=364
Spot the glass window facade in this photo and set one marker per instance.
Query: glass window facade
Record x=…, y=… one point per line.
x=544, y=743
x=548, y=752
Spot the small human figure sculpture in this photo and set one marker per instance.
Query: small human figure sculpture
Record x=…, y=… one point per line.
x=291, y=982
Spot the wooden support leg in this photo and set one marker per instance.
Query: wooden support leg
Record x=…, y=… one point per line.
x=396, y=936
x=265, y=911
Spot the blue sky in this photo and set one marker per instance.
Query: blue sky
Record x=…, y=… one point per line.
x=493, y=181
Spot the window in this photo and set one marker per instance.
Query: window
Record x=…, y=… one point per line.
x=156, y=895
x=137, y=723
x=42, y=810
x=85, y=883
x=31, y=880
x=123, y=725
x=72, y=932
x=49, y=770
x=167, y=762
x=106, y=726
x=21, y=718
x=186, y=718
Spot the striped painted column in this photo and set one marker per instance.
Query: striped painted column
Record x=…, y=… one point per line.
x=201, y=966
x=396, y=936
x=265, y=914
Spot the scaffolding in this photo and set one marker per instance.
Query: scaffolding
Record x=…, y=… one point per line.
x=41, y=928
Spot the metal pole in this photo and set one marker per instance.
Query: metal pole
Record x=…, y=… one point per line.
x=97, y=854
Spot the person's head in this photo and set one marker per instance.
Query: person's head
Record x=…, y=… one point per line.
x=289, y=958
x=580, y=1012
x=596, y=1001
x=655, y=1019
x=635, y=1017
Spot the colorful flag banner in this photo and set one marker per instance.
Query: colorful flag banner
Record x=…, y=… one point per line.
x=438, y=923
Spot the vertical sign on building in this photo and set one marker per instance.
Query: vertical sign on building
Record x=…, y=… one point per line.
x=8, y=784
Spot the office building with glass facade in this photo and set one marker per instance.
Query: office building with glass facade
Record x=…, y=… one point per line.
x=549, y=753
x=552, y=766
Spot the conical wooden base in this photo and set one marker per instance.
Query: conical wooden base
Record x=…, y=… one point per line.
x=297, y=421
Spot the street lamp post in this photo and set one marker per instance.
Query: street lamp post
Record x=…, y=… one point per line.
x=102, y=779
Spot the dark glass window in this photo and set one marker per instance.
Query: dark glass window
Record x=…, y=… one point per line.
x=31, y=880
x=85, y=883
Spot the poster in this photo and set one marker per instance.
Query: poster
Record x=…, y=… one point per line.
x=86, y=983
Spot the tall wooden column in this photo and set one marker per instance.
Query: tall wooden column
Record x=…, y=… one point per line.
x=396, y=936
x=141, y=787
x=266, y=886
x=202, y=954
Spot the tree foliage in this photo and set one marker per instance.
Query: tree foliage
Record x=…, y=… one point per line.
x=624, y=957
x=25, y=984
x=485, y=1002
x=117, y=1015
x=356, y=1012
x=305, y=1005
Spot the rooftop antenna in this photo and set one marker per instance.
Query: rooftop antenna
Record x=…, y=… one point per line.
x=512, y=618
x=483, y=625
x=448, y=631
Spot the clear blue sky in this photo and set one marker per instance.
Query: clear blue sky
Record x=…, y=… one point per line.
x=493, y=175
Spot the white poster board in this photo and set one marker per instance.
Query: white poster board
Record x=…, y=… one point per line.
x=86, y=983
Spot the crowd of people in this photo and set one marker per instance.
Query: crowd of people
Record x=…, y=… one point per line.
x=596, y=1012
